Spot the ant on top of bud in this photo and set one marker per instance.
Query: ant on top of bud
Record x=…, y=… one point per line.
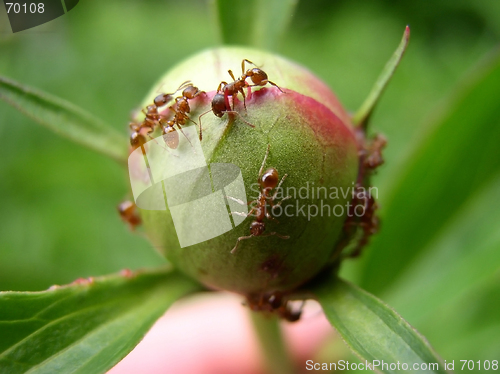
x=220, y=101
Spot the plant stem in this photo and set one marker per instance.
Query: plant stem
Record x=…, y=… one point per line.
x=274, y=351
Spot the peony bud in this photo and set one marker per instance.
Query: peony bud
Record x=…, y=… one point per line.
x=310, y=139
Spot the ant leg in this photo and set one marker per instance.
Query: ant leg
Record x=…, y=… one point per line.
x=239, y=201
x=226, y=100
x=271, y=201
x=282, y=236
x=239, y=240
x=231, y=74
x=183, y=85
x=221, y=85
x=243, y=65
x=236, y=113
x=271, y=218
x=264, y=161
x=199, y=120
x=275, y=85
x=189, y=119
x=198, y=93
x=279, y=204
x=278, y=235
x=285, y=198
x=264, y=82
x=278, y=187
x=244, y=99
x=180, y=129
x=241, y=214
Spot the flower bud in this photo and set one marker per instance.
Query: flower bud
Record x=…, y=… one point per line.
x=296, y=121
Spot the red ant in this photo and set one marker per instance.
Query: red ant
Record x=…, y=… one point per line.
x=268, y=181
x=154, y=119
x=274, y=303
x=128, y=213
x=372, y=155
x=220, y=102
x=152, y=116
x=367, y=224
x=180, y=109
x=258, y=77
x=163, y=99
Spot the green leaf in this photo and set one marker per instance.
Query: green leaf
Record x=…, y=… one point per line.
x=466, y=254
x=85, y=327
x=372, y=329
x=65, y=119
x=457, y=156
x=258, y=23
x=364, y=112
x=470, y=325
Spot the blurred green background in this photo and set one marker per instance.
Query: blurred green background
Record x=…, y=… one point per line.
x=58, y=218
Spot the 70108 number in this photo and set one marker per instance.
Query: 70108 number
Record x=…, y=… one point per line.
x=32, y=7
x=486, y=365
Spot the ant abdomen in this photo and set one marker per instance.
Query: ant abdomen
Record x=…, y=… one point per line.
x=170, y=137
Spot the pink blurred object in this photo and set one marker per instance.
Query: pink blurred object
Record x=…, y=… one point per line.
x=212, y=334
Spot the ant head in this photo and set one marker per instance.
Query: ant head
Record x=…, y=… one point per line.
x=259, y=77
x=190, y=92
x=257, y=228
x=269, y=179
x=162, y=100
x=218, y=105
